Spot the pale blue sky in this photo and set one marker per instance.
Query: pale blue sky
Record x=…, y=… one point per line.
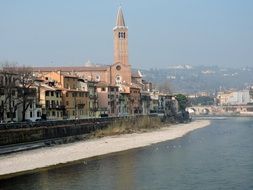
x=161, y=32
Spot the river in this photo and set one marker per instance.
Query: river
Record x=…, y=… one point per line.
x=216, y=157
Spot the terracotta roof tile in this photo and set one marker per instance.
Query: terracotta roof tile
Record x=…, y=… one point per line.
x=69, y=69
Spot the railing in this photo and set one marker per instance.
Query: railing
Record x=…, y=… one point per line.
x=38, y=106
x=60, y=107
x=93, y=96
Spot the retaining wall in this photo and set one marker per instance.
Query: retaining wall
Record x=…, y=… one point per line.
x=30, y=134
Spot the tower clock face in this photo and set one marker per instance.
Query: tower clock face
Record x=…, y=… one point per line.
x=118, y=67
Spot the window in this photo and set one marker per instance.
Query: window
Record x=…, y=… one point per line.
x=1, y=91
x=13, y=92
x=9, y=115
x=57, y=114
x=47, y=93
x=118, y=67
x=47, y=103
x=103, y=89
x=38, y=113
x=57, y=94
x=53, y=103
x=122, y=35
x=52, y=93
x=67, y=103
x=1, y=80
x=31, y=106
x=53, y=113
x=67, y=94
x=74, y=112
x=31, y=114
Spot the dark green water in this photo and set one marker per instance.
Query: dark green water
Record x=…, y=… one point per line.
x=217, y=157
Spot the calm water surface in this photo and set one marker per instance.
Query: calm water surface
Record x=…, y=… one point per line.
x=216, y=157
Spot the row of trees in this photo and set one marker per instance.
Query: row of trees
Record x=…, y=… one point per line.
x=16, y=90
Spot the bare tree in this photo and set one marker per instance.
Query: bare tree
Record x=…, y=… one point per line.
x=16, y=89
x=26, y=92
x=164, y=87
x=8, y=87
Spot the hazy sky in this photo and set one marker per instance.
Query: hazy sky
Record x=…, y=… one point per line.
x=161, y=32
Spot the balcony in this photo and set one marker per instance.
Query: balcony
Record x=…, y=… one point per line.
x=59, y=107
x=93, y=96
x=38, y=106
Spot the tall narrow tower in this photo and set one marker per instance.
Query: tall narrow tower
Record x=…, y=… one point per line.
x=120, y=34
x=121, y=69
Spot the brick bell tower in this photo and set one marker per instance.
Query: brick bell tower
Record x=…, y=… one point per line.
x=121, y=69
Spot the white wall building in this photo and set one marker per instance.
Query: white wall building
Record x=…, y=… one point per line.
x=241, y=97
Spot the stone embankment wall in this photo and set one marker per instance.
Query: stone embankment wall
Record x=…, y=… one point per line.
x=16, y=133
x=21, y=133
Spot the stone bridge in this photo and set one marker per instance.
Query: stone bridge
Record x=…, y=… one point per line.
x=201, y=110
x=221, y=110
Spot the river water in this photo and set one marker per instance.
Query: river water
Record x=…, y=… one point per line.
x=216, y=157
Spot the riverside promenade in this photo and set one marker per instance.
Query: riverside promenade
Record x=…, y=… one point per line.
x=28, y=161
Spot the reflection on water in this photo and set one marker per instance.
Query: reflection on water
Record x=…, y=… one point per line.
x=216, y=157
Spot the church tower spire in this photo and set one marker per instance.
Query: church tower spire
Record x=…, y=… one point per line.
x=120, y=22
x=120, y=34
x=121, y=69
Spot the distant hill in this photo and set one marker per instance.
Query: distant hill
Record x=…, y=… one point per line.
x=192, y=79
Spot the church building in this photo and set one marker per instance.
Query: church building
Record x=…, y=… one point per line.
x=117, y=74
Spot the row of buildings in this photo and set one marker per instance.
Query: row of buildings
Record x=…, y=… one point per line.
x=56, y=93
x=234, y=97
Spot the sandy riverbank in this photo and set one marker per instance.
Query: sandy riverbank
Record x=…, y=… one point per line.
x=49, y=156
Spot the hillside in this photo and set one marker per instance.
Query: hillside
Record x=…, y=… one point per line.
x=192, y=79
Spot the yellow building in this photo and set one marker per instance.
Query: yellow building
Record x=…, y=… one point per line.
x=74, y=94
x=76, y=104
x=51, y=102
